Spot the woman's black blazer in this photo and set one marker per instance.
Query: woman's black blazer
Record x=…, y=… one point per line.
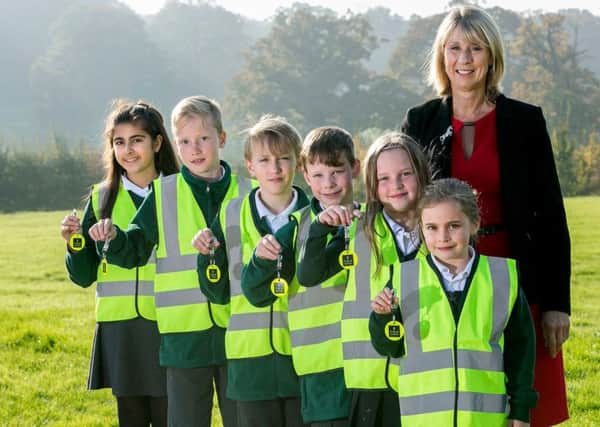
x=532, y=203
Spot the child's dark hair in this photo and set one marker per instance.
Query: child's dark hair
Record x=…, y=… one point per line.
x=418, y=160
x=451, y=190
x=148, y=119
x=329, y=145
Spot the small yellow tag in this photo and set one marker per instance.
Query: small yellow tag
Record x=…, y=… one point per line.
x=394, y=331
x=279, y=287
x=213, y=273
x=76, y=242
x=348, y=259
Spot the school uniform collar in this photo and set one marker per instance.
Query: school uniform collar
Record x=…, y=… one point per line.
x=275, y=221
x=201, y=185
x=455, y=282
x=130, y=186
x=408, y=241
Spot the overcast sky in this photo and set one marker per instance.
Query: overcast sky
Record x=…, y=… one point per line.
x=262, y=9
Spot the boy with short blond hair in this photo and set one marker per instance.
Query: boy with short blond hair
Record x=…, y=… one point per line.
x=192, y=329
x=260, y=371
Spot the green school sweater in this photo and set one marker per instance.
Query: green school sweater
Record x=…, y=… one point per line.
x=82, y=266
x=519, y=346
x=324, y=395
x=267, y=377
x=133, y=246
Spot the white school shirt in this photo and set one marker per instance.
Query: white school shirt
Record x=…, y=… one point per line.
x=457, y=282
x=408, y=241
x=275, y=221
x=130, y=186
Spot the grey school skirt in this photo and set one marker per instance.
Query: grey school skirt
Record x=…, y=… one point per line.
x=125, y=359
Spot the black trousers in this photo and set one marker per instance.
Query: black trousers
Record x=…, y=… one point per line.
x=270, y=413
x=142, y=411
x=190, y=392
x=375, y=409
x=335, y=423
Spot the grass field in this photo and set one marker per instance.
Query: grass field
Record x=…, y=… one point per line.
x=47, y=324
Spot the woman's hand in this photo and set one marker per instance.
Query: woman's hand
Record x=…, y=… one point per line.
x=555, y=330
x=382, y=304
x=516, y=423
x=103, y=230
x=204, y=240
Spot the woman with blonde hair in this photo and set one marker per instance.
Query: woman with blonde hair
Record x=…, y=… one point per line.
x=501, y=147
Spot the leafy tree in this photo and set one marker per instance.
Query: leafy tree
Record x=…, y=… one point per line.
x=202, y=44
x=23, y=36
x=587, y=166
x=305, y=69
x=387, y=27
x=553, y=76
x=408, y=58
x=564, y=148
x=97, y=51
x=56, y=178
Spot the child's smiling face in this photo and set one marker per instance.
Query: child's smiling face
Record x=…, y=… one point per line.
x=447, y=231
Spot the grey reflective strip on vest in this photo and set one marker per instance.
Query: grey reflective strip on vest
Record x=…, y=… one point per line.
x=303, y=230
x=123, y=289
x=233, y=235
x=244, y=186
x=316, y=335
x=361, y=307
x=173, y=261
x=248, y=321
x=101, y=195
x=179, y=297
x=360, y=350
x=501, y=283
x=315, y=297
x=444, y=401
x=416, y=359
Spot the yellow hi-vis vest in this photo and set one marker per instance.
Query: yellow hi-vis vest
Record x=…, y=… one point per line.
x=180, y=305
x=122, y=293
x=364, y=368
x=315, y=314
x=453, y=374
x=252, y=331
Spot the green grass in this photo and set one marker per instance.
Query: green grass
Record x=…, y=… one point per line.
x=47, y=324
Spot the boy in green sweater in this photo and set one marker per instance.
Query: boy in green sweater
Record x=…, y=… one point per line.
x=257, y=342
x=192, y=329
x=315, y=311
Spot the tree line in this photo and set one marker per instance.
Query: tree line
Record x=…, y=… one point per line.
x=310, y=64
